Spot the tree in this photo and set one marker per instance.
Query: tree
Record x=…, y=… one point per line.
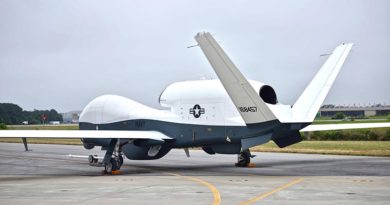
x=13, y=114
x=3, y=126
x=54, y=116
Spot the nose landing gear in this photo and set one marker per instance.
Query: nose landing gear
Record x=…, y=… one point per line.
x=113, y=158
x=114, y=165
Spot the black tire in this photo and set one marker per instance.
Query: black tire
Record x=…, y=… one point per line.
x=108, y=167
x=243, y=159
x=91, y=159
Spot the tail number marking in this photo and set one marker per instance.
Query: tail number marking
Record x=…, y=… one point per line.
x=248, y=109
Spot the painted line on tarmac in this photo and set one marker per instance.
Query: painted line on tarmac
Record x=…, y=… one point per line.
x=213, y=189
x=262, y=196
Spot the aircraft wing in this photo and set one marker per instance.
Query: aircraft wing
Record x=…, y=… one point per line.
x=102, y=134
x=325, y=127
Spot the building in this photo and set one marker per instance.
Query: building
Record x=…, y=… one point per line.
x=71, y=117
x=355, y=111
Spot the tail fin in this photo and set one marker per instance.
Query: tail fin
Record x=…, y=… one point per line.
x=308, y=104
x=247, y=101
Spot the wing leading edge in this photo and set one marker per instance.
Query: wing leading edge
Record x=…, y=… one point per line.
x=101, y=134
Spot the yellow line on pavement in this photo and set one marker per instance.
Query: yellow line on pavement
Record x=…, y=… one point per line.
x=213, y=189
x=262, y=196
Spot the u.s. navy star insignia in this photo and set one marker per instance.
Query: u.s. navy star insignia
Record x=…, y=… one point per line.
x=197, y=111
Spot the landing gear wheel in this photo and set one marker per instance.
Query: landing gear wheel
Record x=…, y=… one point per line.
x=91, y=159
x=113, y=158
x=115, y=164
x=108, y=167
x=244, y=158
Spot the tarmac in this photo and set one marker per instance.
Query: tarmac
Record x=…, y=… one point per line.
x=46, y=175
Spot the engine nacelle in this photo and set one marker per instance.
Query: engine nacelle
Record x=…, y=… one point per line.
x=208, y=91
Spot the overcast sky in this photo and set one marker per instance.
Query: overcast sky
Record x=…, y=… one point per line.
x=61, y=54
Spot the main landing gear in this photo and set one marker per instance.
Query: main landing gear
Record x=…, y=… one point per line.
x=244, y=159
x=113, y=159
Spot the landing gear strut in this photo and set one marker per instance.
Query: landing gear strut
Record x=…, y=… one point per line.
x=244, y=158
x=113, y=158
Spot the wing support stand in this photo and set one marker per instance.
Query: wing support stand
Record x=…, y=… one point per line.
x=25, y=144
x=187, y=152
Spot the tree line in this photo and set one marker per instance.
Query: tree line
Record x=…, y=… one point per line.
x=12, y=114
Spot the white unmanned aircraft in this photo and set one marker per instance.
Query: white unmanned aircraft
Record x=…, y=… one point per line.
x=225, y=116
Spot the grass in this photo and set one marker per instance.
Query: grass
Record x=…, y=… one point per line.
x=44, y=127
x=43, y=140
x=370, y=119
x=362, y=148
x=317, y=122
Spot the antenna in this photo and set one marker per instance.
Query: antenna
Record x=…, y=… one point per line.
x=325, y=54
x=193, y=46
